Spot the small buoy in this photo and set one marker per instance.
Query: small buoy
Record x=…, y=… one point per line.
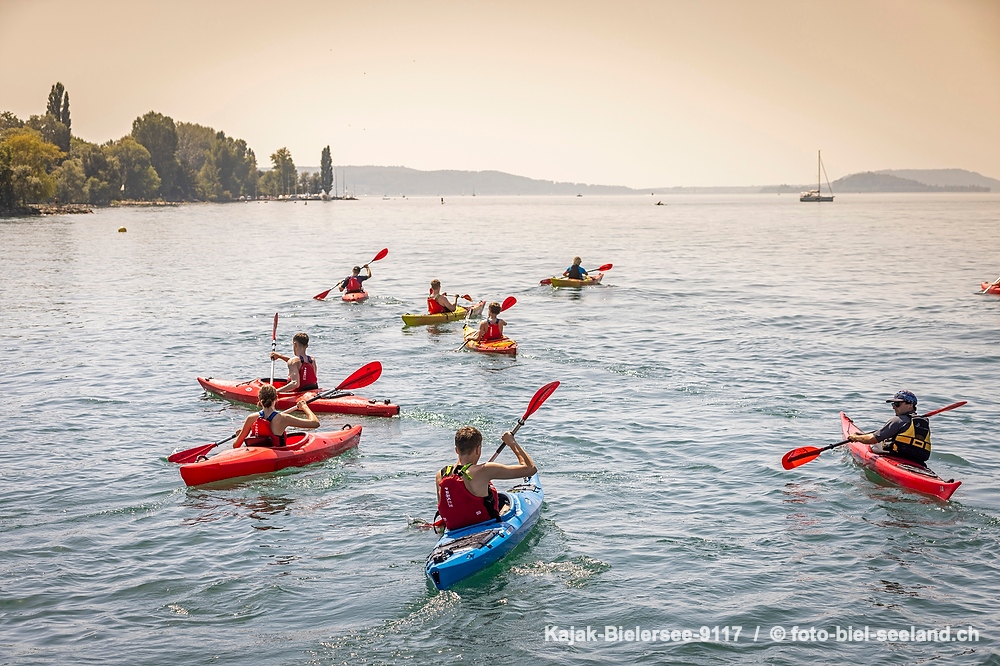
x=122, y=230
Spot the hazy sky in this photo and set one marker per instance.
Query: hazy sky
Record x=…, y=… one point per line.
x=627, y=93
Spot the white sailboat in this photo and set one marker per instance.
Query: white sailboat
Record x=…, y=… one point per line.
x=817, y=195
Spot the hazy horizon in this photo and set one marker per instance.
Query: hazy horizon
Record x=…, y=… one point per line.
x=638, y=94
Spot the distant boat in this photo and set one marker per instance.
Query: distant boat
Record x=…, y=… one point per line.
x=817, y=195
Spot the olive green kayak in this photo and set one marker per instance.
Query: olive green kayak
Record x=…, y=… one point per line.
x=442, y=317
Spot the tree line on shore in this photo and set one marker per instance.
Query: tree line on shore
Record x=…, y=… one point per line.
x=41, y=161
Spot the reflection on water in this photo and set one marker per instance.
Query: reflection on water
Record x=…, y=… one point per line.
x=212, y=505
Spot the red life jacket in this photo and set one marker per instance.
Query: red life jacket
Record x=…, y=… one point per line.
x=433, y=307
x=260, y=433
x=458, y=506
x=307, y=374
x=492, y=331
x=354, y=285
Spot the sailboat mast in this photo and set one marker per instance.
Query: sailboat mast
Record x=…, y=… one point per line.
x=819, y=163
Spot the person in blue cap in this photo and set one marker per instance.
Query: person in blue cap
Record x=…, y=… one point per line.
x=906, y=434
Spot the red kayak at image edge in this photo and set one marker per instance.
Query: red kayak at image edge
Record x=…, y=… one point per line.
x=303, y=448
x=246, y=393
x=990, y=288
x=906, y=473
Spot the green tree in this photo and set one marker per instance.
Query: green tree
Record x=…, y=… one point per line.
x=9, y=121
x=6, y=178
x=64, y=118
x=71, y=182
x=305, y=183
x=51, y=129
x=136, y=177
x=158, y=135
x=326, y=171
x=29, y=157
x=54, y=107
x=285, y=167
x=98, y=192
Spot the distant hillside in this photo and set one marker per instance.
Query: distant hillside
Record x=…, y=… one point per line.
x=881, y=182
x=401, y=181
x=945, y=177
x=395, y=181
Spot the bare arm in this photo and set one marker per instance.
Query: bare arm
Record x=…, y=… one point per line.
x=368, y=269
x=293, y=375
x=289, y=421
x=245, y=430
x=862, y=437
x=525, y=468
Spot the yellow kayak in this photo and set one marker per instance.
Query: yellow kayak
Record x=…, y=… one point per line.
x=502, y=346
x=442, y=317
x=566, y=282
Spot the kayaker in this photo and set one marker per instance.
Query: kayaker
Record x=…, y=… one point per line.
x=576, y=271
x=267, y=427
x=465, y=491
x=352, y=283
x=437, y=300
x=492, y=327
x=905, y=435
x=302, y=371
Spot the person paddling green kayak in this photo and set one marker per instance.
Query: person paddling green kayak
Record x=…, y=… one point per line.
x=905, y=435
x=437, y=300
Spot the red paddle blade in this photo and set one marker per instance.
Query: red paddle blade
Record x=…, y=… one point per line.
x=190, y=455
x=953, y=405
x=800, y=456
x=508, y=303
x=381, y=255
x=363, y=376
x=274, y=328
x=321, y=295
x=545, y=281
x=541, y=395
x=467, y=297
x=605, y=267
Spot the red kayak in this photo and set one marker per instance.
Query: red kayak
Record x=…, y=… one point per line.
x=246, y=393
x=303, y=448
x=906, y=473
x=990, y=288
x=355, y=297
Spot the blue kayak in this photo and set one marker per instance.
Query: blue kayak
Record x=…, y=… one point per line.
x=466, y=551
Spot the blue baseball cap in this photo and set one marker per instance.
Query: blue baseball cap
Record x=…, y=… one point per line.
x=904, y=396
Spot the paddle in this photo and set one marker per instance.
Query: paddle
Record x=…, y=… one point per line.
x=541, y=395
x=363, y=376
x=274, y=344
x=993, y=284
x=381, y=255
x=600, y=269
x=508, y=303
x=805, y=454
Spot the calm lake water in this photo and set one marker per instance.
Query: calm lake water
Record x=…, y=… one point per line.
x=730, y=330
